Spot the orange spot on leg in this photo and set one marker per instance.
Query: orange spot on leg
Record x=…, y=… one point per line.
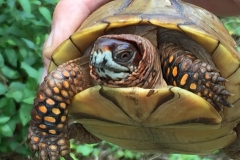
x=184, y=79
x=50, y=119
x=50, y=102
x=175, y=71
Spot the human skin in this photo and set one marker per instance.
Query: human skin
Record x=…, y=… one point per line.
x=68, y=11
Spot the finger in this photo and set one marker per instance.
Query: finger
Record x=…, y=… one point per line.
x=67, y=17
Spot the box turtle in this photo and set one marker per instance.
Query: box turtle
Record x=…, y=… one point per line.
x=147, y=75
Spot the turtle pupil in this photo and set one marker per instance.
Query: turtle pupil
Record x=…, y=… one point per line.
x=124, y=56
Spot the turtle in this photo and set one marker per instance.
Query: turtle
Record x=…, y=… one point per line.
x=147, y=75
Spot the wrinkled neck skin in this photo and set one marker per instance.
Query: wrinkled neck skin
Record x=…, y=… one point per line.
x=148, y=73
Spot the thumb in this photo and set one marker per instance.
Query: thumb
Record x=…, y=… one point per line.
x=67, y=17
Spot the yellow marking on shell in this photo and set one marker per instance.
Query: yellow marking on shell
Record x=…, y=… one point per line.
x=210, y=42
x=35, y=139
x=56, y=111
x=199, y=94
x=175, y=71
x=64, y=93
x=63, y=118
x=42, y=109
x=49, y=101
x=65, y=84
x=56, y=90
x=171, y=58
x=60, y=126
x=42, y=126
x=52, y=131
x=66, y=74
x=63, y=105
x=50, y=119
x=184, y=79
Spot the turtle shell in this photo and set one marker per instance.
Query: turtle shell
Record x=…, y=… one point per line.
x=169, y=119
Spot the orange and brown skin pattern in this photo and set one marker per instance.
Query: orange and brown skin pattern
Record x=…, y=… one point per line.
x=186, y=71
x=48, y=133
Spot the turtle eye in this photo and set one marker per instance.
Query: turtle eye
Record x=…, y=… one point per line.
x=123, y=56
x=124, y=53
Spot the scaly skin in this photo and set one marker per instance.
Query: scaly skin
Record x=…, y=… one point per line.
x=48, y=131
x=182, y=69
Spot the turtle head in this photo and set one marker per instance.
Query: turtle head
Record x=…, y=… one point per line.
x=114, y=59
x=125, y=60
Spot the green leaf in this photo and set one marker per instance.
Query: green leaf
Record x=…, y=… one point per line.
x=17, y=86
x=24, y=113
x=29, y=100
x=84, y=149
x=29, y=43
x=17, y=95
x=30, y=70
x=11, y=56
x=25, y=5
x=3, y=89
x=10, y=73
x=1, y=61
x=9, y=109
x=3, y=101
x=46, y=14
x=4, y=119
x=8, y=128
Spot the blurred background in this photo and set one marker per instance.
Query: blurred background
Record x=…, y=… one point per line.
x=24, y=25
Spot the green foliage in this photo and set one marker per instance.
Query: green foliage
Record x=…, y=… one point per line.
x=24, y=25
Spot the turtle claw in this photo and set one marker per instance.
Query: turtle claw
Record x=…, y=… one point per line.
x=49, y=147
x=225, y=103
x=225, y=93
x=221, y=79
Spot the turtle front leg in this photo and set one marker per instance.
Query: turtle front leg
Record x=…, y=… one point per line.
x=183, y=69
x=48, y=131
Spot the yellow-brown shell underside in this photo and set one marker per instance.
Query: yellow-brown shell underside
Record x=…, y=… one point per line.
x=197, y=23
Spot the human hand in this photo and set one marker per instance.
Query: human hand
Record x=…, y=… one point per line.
x=69, y=14
x=67, y=17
